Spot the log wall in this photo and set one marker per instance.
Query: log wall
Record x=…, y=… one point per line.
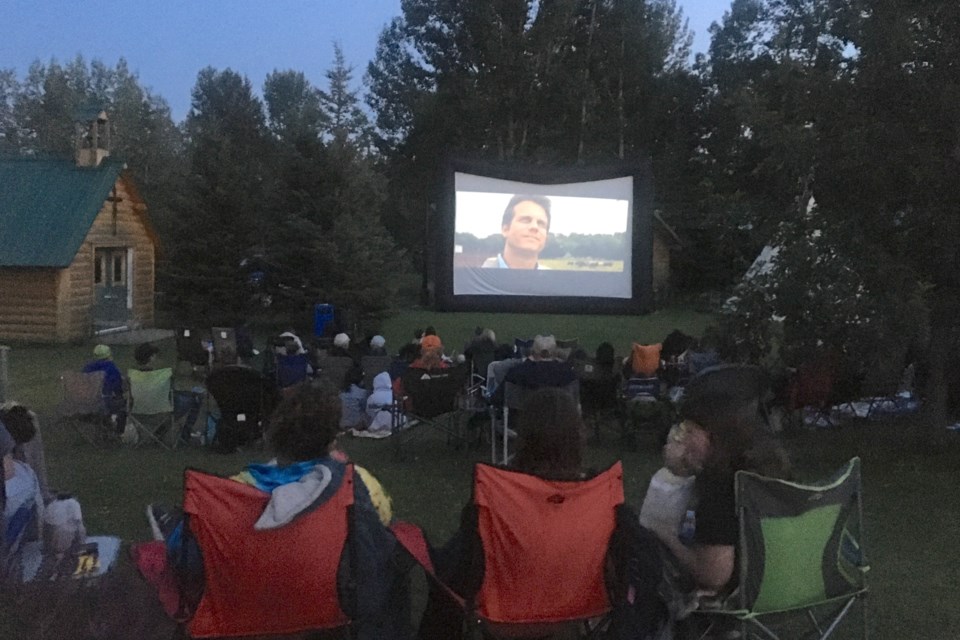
x=56, y=305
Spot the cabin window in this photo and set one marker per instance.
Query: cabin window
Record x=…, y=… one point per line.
x=119, y=268
x=98, y=270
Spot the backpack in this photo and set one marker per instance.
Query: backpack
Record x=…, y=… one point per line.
x=634, y=576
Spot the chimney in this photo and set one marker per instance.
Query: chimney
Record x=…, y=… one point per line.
x=93, y=136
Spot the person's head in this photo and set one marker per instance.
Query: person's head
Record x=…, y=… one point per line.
x=430, y=342
x=720, y=412
x=341, y=341
x=377, y=342
x=20, y=422
x=145, y=353
x=544, y=347
x=353, y=376
x=304, y=426
x=102, y=352
x=605, y=355
x=525, y=224
x=674, y=451
x=291, y=347
x=409, y=352
x=550, y=432
x=489, y=336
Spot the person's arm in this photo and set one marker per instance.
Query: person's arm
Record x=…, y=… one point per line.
x=8, y=469
x=710, y=565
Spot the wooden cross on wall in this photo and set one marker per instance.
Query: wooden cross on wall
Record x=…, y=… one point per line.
x=114, y=198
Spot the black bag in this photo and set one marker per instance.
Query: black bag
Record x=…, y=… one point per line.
x=635, y=563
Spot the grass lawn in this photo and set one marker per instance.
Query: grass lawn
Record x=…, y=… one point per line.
x=911, y=504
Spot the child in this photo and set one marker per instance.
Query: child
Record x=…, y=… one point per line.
x=668, y=496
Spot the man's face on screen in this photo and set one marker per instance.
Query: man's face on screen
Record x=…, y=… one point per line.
x=527, y=232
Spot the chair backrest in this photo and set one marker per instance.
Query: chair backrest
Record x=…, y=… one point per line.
x=334, y=368
x=151, y=391
x=434, y=392
x=373, y=365
x=799, y=544
x=190, y=346
x=80, y=393
x=645, y=359
x=497, y=371
x=544, y=544
x=238, y=389
x=515, y=395
x=264, y=582
x=224, y=345
x=292, y=369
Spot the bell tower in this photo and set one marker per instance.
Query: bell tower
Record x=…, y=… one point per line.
x=92, y=136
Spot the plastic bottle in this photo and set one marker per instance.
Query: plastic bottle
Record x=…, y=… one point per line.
x=688, y=527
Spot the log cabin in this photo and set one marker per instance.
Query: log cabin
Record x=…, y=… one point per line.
x=76, y=247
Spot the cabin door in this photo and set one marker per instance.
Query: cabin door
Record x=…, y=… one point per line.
x=111, y=283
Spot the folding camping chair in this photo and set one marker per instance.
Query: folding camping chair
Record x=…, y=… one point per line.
x=334, y=368
x=432, y=398
x=244, y=397
x=264, y=582
x=599, y=393
x=224, y=345
x=641, y=406
x=82, y=407
x=514, y=397
x=151, y=405
x=801, y=551
x=544, y=546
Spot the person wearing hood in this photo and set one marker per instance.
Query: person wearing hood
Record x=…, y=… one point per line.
x=306, y=472
x=379, y=407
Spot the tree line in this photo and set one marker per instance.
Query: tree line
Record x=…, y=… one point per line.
x=827, y=128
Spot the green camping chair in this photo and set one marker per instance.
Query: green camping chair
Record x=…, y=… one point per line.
x=800, y=552
x=151, y=404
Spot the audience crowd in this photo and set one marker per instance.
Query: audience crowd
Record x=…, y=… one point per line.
x=688, y=510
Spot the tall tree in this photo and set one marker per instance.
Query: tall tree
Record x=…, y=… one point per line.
x=223, y=225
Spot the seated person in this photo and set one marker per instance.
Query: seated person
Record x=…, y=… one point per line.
x=670, y=491
x=145, y=355
x=305, y=473
x=481, y=351
x=341, y=347
x=551, y=447
x=431, y=357
x=723, y=435
x=377, y=346
x=21, y=493
x=24, y=426
x=431, y=354
x=114, y=398
x=353, y=400
x=539, y=369
x=380, y=406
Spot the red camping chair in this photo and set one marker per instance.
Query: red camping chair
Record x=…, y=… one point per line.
x=273, y=582
x=544, y=545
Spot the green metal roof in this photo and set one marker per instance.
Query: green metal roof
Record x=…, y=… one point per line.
x=47, y=206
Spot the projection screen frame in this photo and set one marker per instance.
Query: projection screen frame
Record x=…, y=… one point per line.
x=442, y=239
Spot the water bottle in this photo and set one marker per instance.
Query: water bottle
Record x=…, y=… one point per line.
x=688, y=527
